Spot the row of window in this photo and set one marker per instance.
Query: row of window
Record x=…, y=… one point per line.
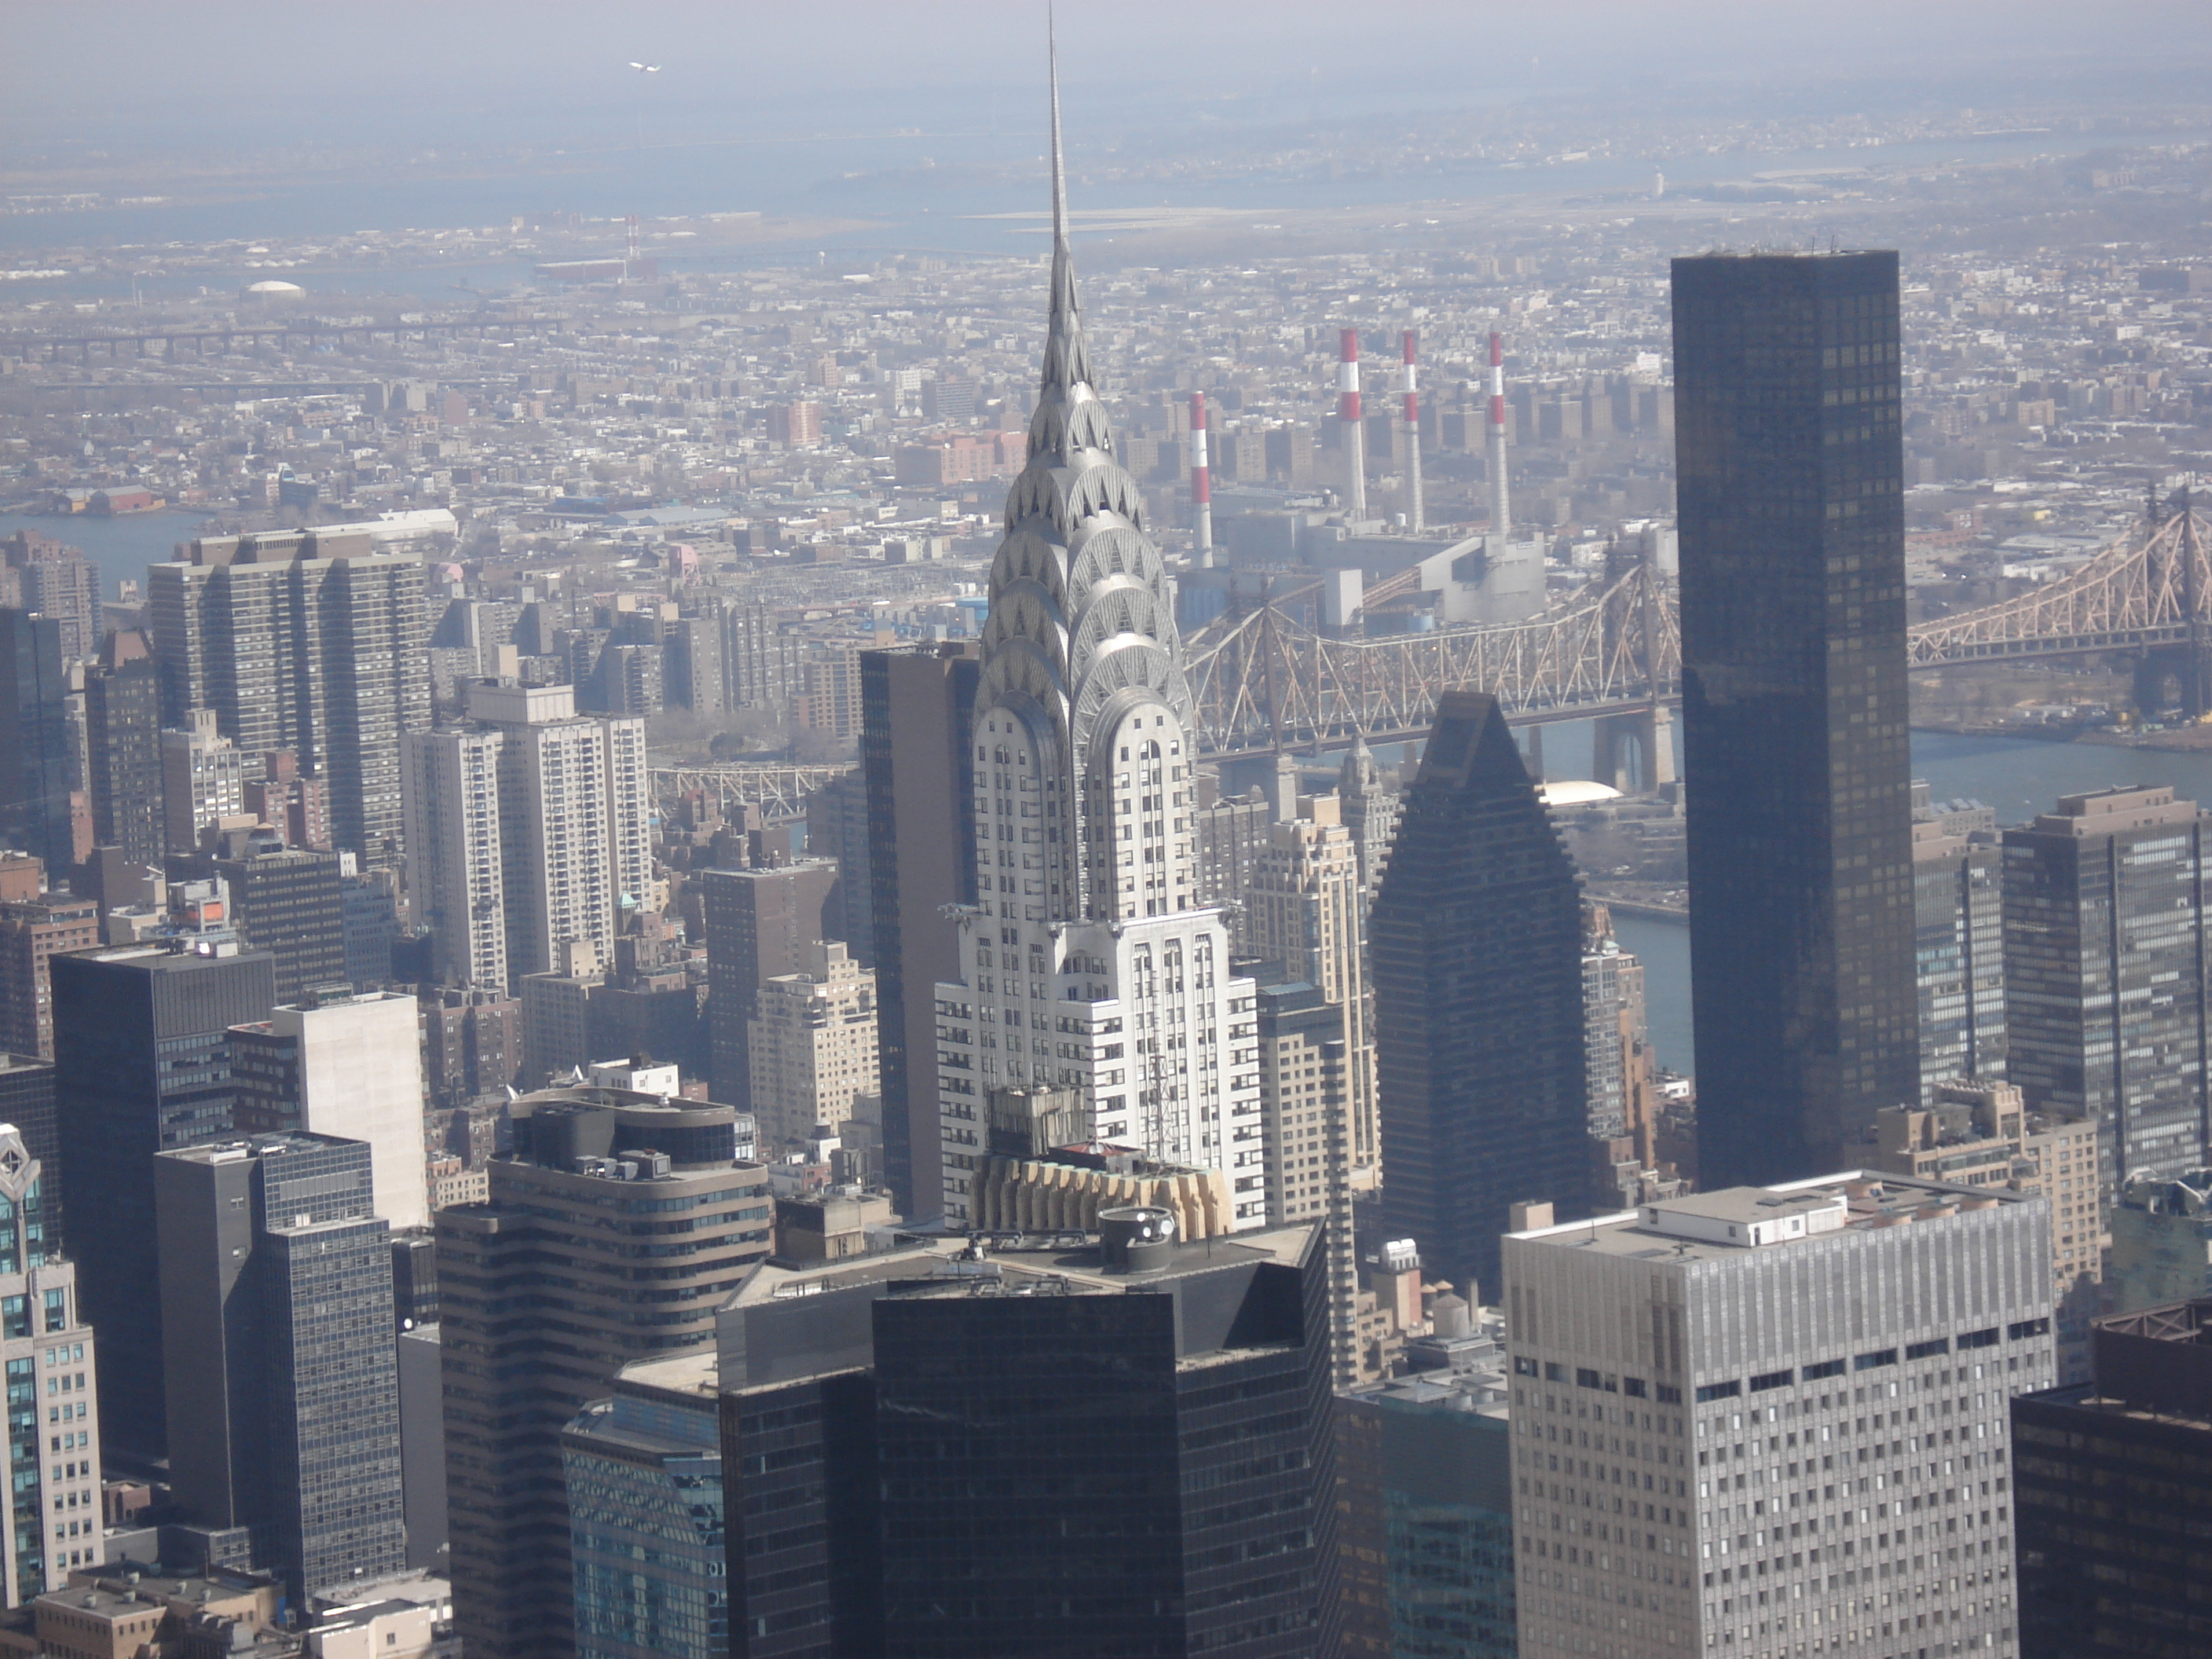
x=2019, y=1331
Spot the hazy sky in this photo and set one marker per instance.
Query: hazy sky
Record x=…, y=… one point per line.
x=232, y=72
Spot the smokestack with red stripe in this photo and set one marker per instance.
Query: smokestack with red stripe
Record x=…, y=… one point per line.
x=1501, y=514
x=1416, y=516
x=1201, y=482
x=1352, y=435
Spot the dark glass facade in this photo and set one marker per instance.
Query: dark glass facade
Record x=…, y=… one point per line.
x=123, y=745
x=916, y=709
x=1476, y=936
x=290, y=905
x=1959, y=962
x=282, y=1377
x=1790, y=485
x=36, y=771
x=1053, y=1460
x=2113, y=1496
x=2106, y=998
x=141, y=1065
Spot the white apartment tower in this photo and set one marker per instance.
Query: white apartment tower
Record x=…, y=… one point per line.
x=202, y=781
x=1773, y=1423
x=1087, y=964
x=563, y=837
x=812, y=1049
x=1305, y=910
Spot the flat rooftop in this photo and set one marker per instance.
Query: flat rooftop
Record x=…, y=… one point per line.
x=1065, y=1261
x=1705, y=1226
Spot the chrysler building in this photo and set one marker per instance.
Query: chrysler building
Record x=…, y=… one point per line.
x=1094, y=986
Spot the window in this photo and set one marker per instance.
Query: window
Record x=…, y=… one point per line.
x=1711, y=1391
x=1780, y=1379
x=1922, y=1350
x=1554, y=1372
x=1669, y=1395
x=1524, y=1367
x=14, y=1316
x=1826, y=1368
x=1867, y=1362
x=2028, y=1328
x=1633, y=1386
x=1987, y=1339
x=1586, y=1378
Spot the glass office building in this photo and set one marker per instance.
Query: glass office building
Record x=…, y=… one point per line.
x=644, y=1474
x=1789, y=463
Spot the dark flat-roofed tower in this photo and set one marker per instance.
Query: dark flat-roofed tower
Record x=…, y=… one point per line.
x=1789, y=466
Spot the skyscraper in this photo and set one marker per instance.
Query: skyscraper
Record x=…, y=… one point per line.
x=813, y=1046
x=547, y=809
x=35, y=770
x=1086, y=960
x=1304, y=909
x=1175, y=1495
x=1959, y=956
x=53, y=1366
x=203, y=780
x=759, y=924
x=1685, y=1343
x=1477, y=939
x=287, y=902
x=279, y=1365
x=1790, y=465
x=916, y=708
x=644, y=1474
x=2105, y=999
x=33, y=932
x=123, y=747
x=351, y=1067
x=318, y=644
x=141, y=1065
x=2114, y=1549
x=599, y=1177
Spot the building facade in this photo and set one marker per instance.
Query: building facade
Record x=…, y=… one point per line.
x=1958, y=926
x=597, y=1181
x=37, y=772
x=317, y=644
x=280, y=1369
x=289, y=903
x=1088, y=961
x=759, y=923
x=122, y=748
x=1305, y=910
x=643, y=1471
x=812, y=1048
x=55, y=1520
x=2105, y=979
x=203, y=780
x=916, y=709
x=570, y=814
x=2113, y=1526
x=1190, y=1385
x=1789, y=452
x=142, y=1056
x=350, y=1066
x=1663, y=1355
x=1478, y=1018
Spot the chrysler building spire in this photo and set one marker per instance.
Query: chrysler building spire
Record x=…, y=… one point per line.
x=1089, y=975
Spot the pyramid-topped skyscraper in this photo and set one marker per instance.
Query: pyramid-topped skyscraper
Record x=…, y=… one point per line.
x=1096, y=1003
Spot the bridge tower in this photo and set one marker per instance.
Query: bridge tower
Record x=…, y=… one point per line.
x=2183, y=664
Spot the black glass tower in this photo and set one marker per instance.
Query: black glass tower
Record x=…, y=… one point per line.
x=1790, y=465
x=282, y=1377
x=141, y=1065
x=1054, y=1450
x=1480, y=1037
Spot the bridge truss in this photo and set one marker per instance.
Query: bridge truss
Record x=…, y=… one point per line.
x=1265, y=681
x=2149, y=589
